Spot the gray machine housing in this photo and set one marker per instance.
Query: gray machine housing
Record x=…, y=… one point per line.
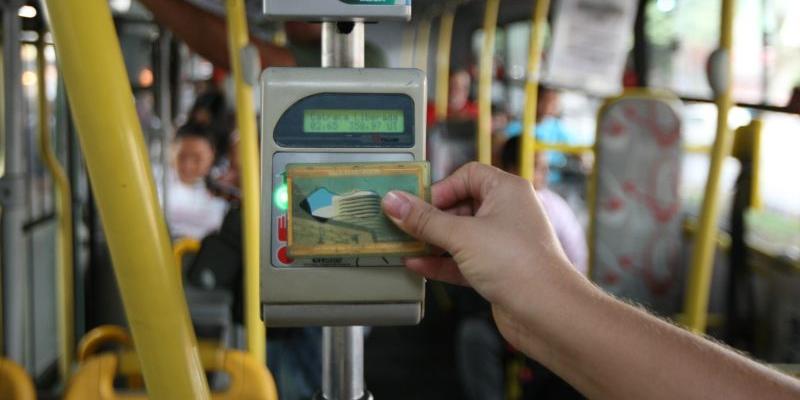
x=337, y=10
x=350, y=291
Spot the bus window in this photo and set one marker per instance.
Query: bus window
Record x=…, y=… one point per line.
x=682, y=34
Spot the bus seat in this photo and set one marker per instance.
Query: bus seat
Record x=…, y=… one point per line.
x=635, y=237
x=209, y=309
x=249, y=380
x=14, y=382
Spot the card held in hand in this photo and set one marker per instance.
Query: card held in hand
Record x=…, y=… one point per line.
x=335, y=209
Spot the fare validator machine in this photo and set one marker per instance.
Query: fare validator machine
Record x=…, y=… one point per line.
x=329, y=116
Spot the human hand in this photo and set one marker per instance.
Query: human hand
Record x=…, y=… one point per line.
x=495, y=229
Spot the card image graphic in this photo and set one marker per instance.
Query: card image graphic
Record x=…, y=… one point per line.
x=335, y=209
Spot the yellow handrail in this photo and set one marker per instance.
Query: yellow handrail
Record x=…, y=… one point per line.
x=699, y=285
x=756, y=201
x=180, y=249
x=485, y=82
x=423, y=44
x=443, y=62
x=562, y=148
x=238, y=39
x=527, y=155
x=119, y=170
x=100, y=337
x=64, y=271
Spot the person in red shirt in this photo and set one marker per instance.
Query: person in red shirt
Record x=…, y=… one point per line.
x=459, y=105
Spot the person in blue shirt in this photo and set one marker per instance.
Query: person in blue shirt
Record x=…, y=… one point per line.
x=549, y=129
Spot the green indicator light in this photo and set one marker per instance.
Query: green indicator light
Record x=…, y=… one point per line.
x=281, y=197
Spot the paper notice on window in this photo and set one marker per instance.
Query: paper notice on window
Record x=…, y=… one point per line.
x=590, y=45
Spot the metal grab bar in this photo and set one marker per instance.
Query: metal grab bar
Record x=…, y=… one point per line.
x=528, y=141
x=180, y=249
x=119, y=169
x=485, y=82
x=64, y=268
x=238, y=40
x=443, y=62
x=702, y=262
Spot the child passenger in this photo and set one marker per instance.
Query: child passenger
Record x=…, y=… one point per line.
x=191, y=210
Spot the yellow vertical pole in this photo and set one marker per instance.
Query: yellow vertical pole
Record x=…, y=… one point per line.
x=484, y=150
x=528, y=144
x=423, y=44
x=119, y=170
x=238, y=39
x=702, y=263
x=64, y=272
x=756, y=201
x=443, y=62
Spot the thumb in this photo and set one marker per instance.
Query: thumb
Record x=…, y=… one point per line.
x=420, y=219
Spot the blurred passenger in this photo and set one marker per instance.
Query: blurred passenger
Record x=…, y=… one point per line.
x=205, y=33
x=192, y=211
x=565, y=223
x=549, y=129
x=211, y=109
x=500, y=120
x=225, y=183
x=479, y=346
x=459, y=105
x=294, y=354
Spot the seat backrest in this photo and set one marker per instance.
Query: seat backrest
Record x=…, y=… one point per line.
x=635, y=237
x=14, y=382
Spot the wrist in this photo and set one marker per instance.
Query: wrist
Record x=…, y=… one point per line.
x=553, y=304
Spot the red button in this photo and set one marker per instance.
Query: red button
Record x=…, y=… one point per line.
x=283, y=228
x=283, y=256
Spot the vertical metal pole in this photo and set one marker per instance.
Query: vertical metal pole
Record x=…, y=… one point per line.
x=443, y=62
x=343, y=44
x=164, y=108
x=119, y=167
x=238, y=40
x=484, y=149
x=528, y=144
x=16, y=321
x=64, y=244
x=702, y=266
x=343, y=347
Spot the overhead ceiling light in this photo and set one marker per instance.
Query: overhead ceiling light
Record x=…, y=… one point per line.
x=27, y=12
x=120, y=6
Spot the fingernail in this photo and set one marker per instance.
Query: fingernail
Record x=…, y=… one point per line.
x=396, y=205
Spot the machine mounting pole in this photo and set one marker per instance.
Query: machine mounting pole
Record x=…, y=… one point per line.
x=343, y=347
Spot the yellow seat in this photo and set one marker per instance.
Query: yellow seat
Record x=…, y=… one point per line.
x=94, y=380
x=14, y=382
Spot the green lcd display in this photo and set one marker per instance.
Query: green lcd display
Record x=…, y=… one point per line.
x=353, y=121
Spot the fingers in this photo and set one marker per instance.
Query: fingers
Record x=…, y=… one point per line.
x=420, y=219
x=471, y=181
x=442, y=269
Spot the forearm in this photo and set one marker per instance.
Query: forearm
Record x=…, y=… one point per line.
x=608, y=349
x=206, y=33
